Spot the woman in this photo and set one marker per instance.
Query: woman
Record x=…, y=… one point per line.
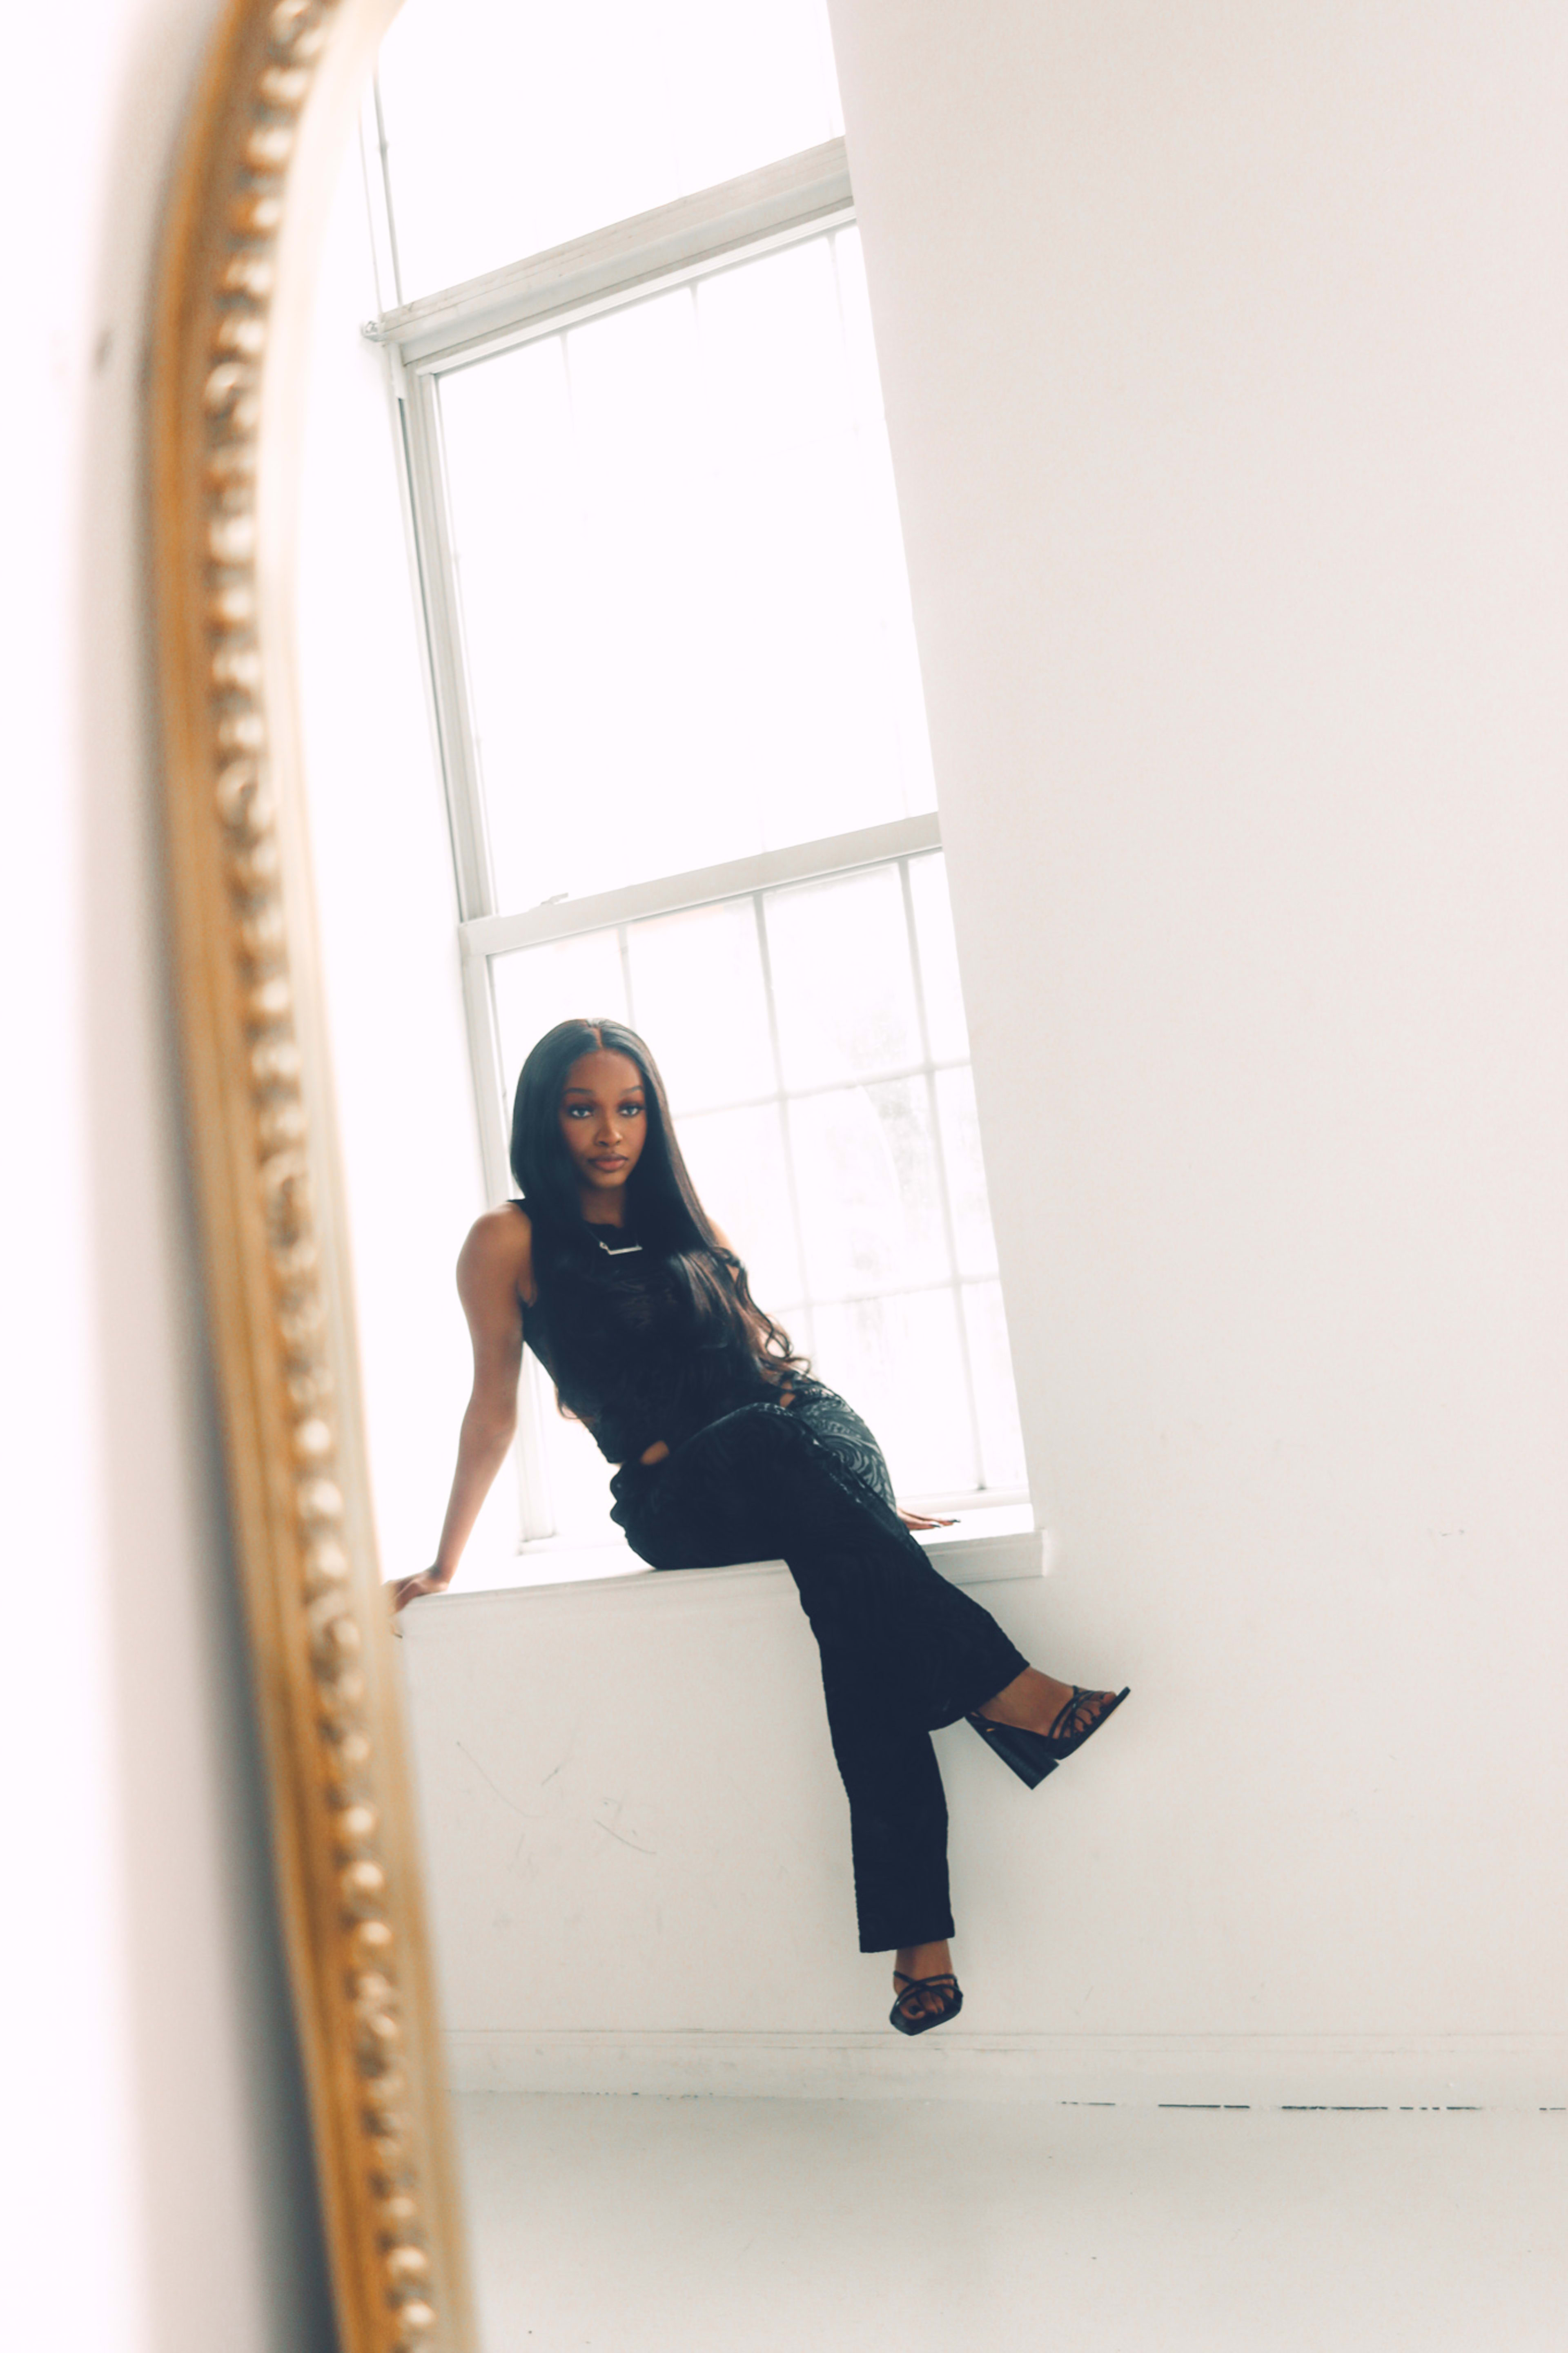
x=726, y=1449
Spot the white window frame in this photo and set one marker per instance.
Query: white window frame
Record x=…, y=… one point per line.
x=722, y=227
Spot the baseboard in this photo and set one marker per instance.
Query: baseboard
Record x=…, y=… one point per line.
x=1216, y=2071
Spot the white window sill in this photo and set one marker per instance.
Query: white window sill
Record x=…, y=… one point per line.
x=988, y=1544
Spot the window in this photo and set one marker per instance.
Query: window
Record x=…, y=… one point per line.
x=677, y=694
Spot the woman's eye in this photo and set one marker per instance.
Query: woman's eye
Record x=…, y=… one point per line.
x=631, y=1111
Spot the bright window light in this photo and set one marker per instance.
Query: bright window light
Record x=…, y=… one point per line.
x=511, y=129
x=684, y=598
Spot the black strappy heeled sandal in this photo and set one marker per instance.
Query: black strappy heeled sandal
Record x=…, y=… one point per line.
x=920, y=2019
x=1033, y=1754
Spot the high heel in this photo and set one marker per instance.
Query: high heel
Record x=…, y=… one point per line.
x=1033, y=1754
x=919, y=2021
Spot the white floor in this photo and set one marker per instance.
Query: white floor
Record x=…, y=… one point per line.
x=772, y=2226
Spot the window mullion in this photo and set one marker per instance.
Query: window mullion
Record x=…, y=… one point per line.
x=672, y=894
x=823, y=1087
x=717, y=228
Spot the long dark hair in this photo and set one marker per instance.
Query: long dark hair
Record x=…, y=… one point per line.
x=662, y=1206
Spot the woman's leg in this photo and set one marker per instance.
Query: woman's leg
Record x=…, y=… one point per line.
x=1033, y=1700
x=759, y=1482
x=835, y=1422
x=898, y=1812
x=864, y=1765
x=903, y=1649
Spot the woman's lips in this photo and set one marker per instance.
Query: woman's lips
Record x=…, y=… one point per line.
x=608, y=1160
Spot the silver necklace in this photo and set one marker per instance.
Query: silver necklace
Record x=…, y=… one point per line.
x=625, y=1249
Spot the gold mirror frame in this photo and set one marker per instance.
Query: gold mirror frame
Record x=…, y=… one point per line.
x=263, y=136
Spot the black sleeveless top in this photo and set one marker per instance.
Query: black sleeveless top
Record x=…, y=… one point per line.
x=628, y=1350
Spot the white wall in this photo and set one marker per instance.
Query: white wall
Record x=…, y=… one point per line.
x=1224, y=359
x=639, y=1877
x=157, y=2186
x=634, y=1830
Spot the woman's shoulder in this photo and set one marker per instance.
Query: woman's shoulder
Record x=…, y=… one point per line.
x=498, y=1250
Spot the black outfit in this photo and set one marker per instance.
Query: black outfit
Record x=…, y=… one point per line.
x=750, y=1477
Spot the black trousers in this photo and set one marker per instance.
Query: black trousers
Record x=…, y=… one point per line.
x=903, y=1649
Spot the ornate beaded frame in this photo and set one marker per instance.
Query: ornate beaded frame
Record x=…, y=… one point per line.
x=263, y=133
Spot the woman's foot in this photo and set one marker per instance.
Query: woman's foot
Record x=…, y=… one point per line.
x=1038, y=1703
x=911, y=1961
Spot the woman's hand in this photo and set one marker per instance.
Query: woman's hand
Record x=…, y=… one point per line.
x=923, y=1520
x=412, y=1588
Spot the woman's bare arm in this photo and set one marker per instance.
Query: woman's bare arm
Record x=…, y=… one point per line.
x=495, y=1276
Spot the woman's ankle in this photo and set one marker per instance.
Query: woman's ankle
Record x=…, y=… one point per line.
x=1032, y=1701
x=929, y=1960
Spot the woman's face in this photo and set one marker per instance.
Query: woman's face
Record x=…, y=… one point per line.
x=603, y=1119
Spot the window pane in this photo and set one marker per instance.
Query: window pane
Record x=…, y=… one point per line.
x=513, y=126
x=686, y=614
x=834, y=1194
x=996, y=1400
x=842, y=983
x=945, y=1024
x=866, y=1176
x=899, y=1363
x=537, y=987
x=697, y=998
x=577, y=1473
x=972, y=1237
x=737, y=1164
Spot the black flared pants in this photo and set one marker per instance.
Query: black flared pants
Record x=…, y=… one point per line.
x=903, y=1649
